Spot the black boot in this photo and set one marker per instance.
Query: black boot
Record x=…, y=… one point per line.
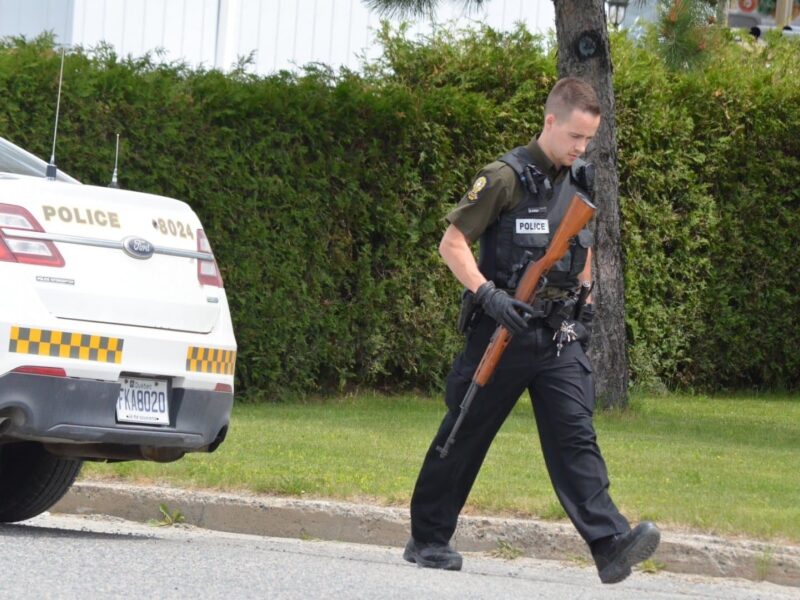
x=434, y=556
x=615, y=555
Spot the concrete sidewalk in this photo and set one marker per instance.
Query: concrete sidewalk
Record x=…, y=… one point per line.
x=365, y=524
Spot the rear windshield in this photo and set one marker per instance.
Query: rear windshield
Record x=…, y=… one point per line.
x=17, y=161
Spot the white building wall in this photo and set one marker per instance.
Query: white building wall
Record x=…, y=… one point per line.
x=288, y=33
x=185, y=29
x=32, y=17
x=281, y=34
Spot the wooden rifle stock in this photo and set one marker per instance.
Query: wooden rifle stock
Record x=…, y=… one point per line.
x=578, y=214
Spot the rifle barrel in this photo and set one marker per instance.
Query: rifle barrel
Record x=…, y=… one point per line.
x=465, y=404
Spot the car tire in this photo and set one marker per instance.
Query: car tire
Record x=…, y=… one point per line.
x=32, y=480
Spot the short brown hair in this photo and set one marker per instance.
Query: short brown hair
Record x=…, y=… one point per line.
x=569, y=94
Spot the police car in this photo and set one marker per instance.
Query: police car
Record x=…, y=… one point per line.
x=116, y=340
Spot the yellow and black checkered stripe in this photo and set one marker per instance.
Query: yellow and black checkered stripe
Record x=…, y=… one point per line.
x=210, y=360
x=44, y=342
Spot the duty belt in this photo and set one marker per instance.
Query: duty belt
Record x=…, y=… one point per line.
x=470, y=312
x=541, y=307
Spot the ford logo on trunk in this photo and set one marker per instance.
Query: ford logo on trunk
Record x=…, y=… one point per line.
x=137, y=248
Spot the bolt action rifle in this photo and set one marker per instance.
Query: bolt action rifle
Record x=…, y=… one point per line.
x=578, y=214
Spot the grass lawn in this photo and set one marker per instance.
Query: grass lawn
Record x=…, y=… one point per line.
x=727, y=465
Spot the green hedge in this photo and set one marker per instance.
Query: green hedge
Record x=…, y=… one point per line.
x=710, y=165
x=323, y=193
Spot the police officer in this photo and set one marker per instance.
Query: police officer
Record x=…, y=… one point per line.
x=513, y=207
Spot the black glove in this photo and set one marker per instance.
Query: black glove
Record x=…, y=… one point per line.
x=508, y=312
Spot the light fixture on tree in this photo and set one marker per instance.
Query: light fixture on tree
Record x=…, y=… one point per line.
x=616, y=11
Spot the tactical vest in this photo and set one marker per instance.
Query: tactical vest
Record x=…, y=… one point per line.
x=524, y=233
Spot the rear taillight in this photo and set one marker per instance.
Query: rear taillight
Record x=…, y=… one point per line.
x=17, y=248
x=207, y=270
x=49, y=371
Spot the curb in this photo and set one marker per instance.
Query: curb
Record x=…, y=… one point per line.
x=365, y=524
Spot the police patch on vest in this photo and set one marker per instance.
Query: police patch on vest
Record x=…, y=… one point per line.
x=477, y=186
x=533, y=226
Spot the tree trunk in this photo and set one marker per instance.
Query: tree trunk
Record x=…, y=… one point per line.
x=583, y=51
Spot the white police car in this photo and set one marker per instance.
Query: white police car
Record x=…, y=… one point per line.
x=116, y=340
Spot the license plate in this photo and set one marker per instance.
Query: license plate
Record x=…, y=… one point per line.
x=143, y=401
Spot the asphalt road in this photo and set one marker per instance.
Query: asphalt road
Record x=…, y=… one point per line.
x=65, y=556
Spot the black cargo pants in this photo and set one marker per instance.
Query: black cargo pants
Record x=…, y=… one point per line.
x=562, y=394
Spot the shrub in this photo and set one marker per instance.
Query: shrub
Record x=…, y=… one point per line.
x=323, y=194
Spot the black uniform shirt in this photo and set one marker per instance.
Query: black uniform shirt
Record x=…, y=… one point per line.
x=495, y=190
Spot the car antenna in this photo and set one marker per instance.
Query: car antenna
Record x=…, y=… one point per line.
x=51, y=170
x=114, y=183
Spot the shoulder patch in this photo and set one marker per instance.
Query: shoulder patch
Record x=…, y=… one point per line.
x=477, y=186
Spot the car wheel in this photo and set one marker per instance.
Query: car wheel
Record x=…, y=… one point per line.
x=32, y=480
